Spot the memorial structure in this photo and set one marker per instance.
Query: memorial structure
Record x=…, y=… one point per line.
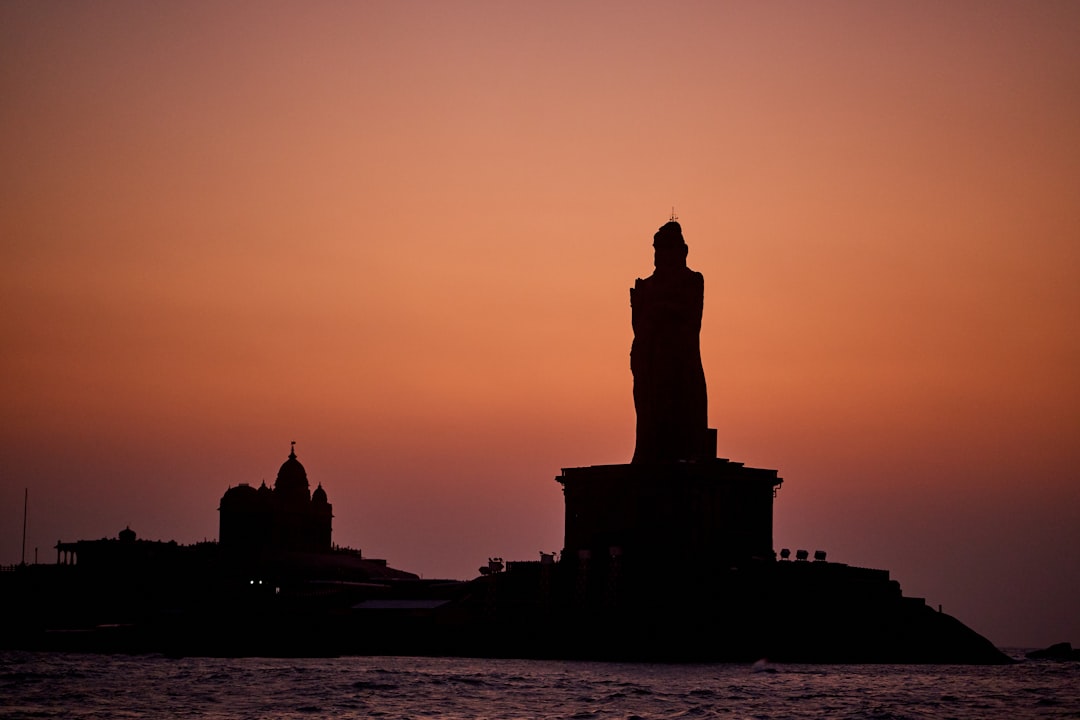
x=670, y=556
x=669, y=381
x=287, y=517
x=666, y=557
x=675, y=503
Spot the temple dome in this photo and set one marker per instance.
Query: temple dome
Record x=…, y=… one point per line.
x=292, y=482
x=241, y=496
x=319, y=496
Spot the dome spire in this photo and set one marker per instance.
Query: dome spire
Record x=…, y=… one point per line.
x=292, y=451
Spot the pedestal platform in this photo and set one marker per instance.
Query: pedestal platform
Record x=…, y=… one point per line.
x=711, y=513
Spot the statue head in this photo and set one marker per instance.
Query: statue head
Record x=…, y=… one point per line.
x=669, y=247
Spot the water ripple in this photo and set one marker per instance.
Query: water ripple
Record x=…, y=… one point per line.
x=42, y=685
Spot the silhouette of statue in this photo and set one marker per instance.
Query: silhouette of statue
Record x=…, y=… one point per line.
x=669, y=382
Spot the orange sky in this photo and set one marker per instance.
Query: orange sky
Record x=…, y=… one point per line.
x=402, y=234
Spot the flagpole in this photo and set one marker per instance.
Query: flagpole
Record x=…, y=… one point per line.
x=26, y=500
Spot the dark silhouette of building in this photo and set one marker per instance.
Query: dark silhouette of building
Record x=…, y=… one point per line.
x=123, y=552
x=287, y=518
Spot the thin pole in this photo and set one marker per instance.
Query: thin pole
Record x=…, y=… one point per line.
x=26, y=501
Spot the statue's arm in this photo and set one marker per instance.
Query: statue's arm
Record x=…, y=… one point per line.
x=636, y=311
x=699, y=298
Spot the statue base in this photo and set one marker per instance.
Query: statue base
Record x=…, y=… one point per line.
x=708, y=513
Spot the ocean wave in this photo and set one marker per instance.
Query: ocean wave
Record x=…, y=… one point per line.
x=102, y=686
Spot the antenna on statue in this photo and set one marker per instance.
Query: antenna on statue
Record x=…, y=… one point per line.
x=674, y=217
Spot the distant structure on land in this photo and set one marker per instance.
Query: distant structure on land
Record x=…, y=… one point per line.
x=287, y=518
x=671, y=555
x=667, y=557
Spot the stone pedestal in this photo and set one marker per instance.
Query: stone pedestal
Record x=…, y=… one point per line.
x=711, y=513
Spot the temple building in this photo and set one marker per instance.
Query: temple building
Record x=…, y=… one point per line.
x=286, y=518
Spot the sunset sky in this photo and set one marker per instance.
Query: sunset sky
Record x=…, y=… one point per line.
x=402, y=234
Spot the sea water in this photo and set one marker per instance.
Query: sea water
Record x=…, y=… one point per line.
x=63, y=685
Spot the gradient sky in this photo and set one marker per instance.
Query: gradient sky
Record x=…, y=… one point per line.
x=402, y=234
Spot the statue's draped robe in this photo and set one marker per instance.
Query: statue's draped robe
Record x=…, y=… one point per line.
x=669, y=382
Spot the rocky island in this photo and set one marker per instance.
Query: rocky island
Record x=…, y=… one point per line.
x=667, y=558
